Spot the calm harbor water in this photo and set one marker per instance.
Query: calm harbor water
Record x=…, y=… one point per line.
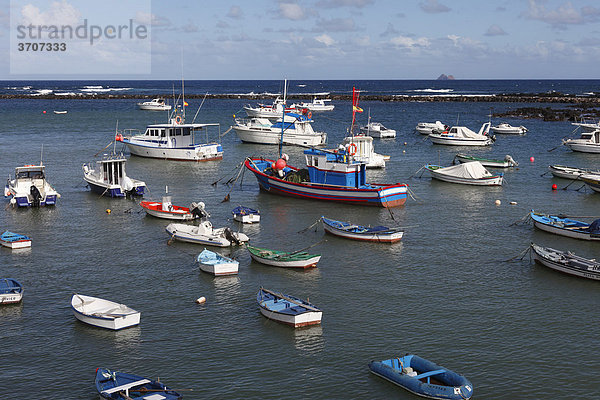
x=515, y=329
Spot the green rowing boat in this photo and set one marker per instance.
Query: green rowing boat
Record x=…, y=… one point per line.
x=295, y=259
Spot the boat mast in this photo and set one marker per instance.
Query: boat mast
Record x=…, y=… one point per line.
x=283, y=118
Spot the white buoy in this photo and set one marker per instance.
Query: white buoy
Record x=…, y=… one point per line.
x=513, y=203
x=201, y=300
x=498, y=202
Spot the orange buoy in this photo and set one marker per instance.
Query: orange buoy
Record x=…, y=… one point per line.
x=554, y=187
x=531, y=159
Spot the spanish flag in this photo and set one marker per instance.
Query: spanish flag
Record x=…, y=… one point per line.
x=185, y=104
x=357, y=109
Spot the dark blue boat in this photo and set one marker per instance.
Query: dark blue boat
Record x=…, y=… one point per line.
x=116, y=385
x=423, y=377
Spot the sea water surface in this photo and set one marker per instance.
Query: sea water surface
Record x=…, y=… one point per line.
x=445, y=292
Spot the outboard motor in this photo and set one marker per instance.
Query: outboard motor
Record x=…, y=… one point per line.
x=511, y=161
x=197, y=209
x=231, y=237
x=36, y=196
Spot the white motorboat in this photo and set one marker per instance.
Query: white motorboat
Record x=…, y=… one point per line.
x=205, y=234
x=362, y=150
x=592, y=180
x=463, y=136
x=588, y=142
x=107, y=177
x=377, y=130
x=471, y=173
x=273, y=111
x=317, y=105
x=175, y=140
x=426, y=128
x=103, y=313
x=587, y=126
x=217, y=264
x=297, y=130
x=30, y=187
x=157, y=104
x=508, y=129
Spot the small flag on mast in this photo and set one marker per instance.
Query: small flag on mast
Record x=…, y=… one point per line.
x=185, y=104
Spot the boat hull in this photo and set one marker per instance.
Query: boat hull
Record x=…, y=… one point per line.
x=287, y=309
x=309, y=263
x=387, y=134
x=247, y=218
x=11, y=291
x=393, y=237
x=592, y=180
x=11, y=298
x=221, y=269
x=101, y=318
x=543, y=257
x=24, y=201
x=205, y=152
x=177, y=213
x=438, y=139
x=186, y=233
x=485, y=162
x=379, y=195
x=490, y=181
x=545, y=223
x=113, y=191
x=247, y=135
x=297, y=321
x=18, y=244
x=583, y=147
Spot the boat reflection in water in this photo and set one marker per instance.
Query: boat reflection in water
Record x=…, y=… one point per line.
x=309, y=339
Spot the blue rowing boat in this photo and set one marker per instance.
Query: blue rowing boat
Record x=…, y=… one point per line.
x=11, y=291
x=14, y=240
x=564, y=226
x=287, y=309
x=423, y=377
x=116, y=385
x=358, y=232
x=246, y=215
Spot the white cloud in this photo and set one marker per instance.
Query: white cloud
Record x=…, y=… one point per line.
x=494, y=30
x=291, y=11
x=325, y=39
x=59, y=13
x=564, y=14
x=406, y=41
x=344, y=3
x=335, y=25
x=433, y=7
x=235, y=12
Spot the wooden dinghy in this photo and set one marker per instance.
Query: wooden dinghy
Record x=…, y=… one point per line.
x=103, y=313
x=115, y=385
x=561, y=225
x=567, y=262
x=11, y=291
x=246, y=215
x=562, y=171
x=287, y=309
x=217, y=264
x=348, y=230
x=14, y=240
x=507, y=162
x=423, y=377
x=295, y=259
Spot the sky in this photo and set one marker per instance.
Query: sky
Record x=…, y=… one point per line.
x=316, y=39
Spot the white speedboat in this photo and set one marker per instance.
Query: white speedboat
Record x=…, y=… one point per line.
x=205, y=234
x=273, y=111
x=377, y=130
x=588, y=142
x=426, y=128
x=107, y=177
x=157, y=104
x=362, y=150
x=317, y=105
x=175, y=140
x=508, y=129
x=297, y=130
x=103, y=313
x=463, y=136
x=30, y=188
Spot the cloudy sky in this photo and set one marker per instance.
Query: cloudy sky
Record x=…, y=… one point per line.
x=358, y=39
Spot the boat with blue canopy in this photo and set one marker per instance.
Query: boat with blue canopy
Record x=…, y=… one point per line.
x=14, y=240
x=564, y=226
x=11, y=291
x=348, y=230
x=217, y=264
x=115, y=385
x=423, y=377
x=246, y=215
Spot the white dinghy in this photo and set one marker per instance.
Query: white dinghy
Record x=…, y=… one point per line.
x=471, y=173
x=103, y=313
x=205, y=234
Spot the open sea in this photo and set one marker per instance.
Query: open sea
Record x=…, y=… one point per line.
x=446, y=292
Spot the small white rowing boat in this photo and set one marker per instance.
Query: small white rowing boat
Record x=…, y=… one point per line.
x=217, y=264
x=103, y=313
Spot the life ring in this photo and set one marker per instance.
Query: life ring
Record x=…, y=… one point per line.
x=178, y=119
x=352, y=149
x=309, y=115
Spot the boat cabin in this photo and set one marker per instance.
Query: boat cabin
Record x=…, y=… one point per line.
x=334, y=168
x=592, y=137
x=175, y=134
x=111, y=169
x=30, y=172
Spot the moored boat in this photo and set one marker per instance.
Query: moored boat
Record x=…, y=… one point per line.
x=427, y=128
x=377, y=130
x=562, y=171
x=157, y=104
x=588, y=142
x=108, y=177
x=592, y=180
x=115, y=385
x=564, y=226
x=423, y=377
x=287, y=309
x=297, y=130
x=15, y=240
x=246, y=215
x=470, y=173
x=166, y=210
x=316, y=105
x=205, y=234
x=11, y=291
x=362, y=150
x=508, y=129
x=294, y=259
x=507, y=162
x=30, y=187
x=217, y=264
x=567, y=262
x=103, y=313
x=382, y=234
x=273, y=111
x=463, y=136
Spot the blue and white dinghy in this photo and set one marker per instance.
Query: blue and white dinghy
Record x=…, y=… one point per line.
x=423, y=377
x=11, y=291
x=245, y=215
x=347, y=230
x=217, y=264
x=564, y=226
x=115, y=385
x=15, y=240
x=287, y=309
